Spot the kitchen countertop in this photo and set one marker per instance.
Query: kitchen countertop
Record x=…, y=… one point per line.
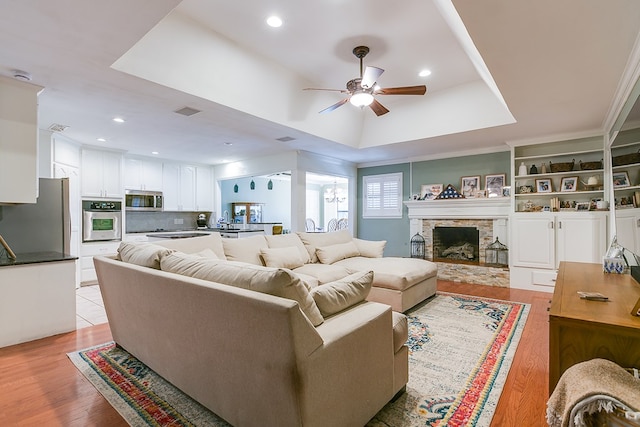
x=36, y=258
x=196, y=233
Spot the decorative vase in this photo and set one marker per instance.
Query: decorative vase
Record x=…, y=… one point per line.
x=523, y=169
x=533, y=170
x=543, y=168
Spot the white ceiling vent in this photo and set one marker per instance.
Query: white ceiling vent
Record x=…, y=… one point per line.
x=55, y=127
x=187, y=111
x=285, y=139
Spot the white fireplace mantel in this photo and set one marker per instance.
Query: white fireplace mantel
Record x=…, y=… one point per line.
x=481, y=208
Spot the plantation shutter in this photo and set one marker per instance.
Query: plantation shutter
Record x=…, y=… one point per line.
x=382, y=196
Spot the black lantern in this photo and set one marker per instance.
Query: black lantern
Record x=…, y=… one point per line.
x=417, y=246
x=496, y=254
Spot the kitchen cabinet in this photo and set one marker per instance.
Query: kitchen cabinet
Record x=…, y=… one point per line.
x=88, y=251
x=540, y=241
x=179, y=187
x=204, y=189
x=18, y=141
x=187, y=187
x=142, y=174
x=101, y=174
x=628, y=229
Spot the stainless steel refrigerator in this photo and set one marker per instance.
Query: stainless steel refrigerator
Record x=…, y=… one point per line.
x=44, y=226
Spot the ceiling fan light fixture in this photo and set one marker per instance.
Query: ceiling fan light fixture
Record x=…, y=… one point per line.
x=361, y=99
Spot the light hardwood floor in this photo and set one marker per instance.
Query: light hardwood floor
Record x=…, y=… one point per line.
x=39, y=386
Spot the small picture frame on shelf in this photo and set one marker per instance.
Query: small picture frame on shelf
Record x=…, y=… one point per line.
x=544, y=186
x=621, y=179
x=569, y=183
x=583, y=206
x=430, y=191
x=494, y=184
x=506, y=191
x=470, y=185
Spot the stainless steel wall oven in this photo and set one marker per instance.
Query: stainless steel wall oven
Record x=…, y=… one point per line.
x=101, y=220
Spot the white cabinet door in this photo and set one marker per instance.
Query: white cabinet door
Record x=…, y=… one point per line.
x=628, y=229
x=171, y=186
x=533, y=241
x=18, y=141
x=141, y=174
x=101, y=174
x=133, y=174
x=187, y=188
x=152, y=175
x=112, y=175
x=204, y=189
x=581, y=237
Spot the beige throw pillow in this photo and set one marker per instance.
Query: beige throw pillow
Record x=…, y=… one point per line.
x=282, y=257
x=336, y=296
x=314, y=240
x=288, y=240
x=142, y=253
x=370, y=248
x=273, y=281
x=333, y=253
x=245, y=249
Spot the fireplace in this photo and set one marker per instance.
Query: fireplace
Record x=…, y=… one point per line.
x=456, y=244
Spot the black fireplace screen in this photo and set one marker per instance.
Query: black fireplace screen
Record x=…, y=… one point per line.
x=456, y=244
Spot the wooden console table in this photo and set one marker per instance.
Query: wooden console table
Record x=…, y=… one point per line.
x=581, y=330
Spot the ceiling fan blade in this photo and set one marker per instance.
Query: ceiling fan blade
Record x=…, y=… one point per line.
x=370, y=76
x=378, y=108
x=334, y=106
x=405, y=90
x=328, y=90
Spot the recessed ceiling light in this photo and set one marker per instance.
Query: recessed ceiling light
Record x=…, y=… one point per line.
x=155, y=152
x=274, y=21
x=228, y=144
x=118, y=119
x=102, y=140
x=424, y=73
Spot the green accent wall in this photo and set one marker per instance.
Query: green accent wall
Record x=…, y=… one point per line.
x=442, y=171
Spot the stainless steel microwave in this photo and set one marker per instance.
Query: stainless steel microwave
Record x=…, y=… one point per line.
x=136, y=200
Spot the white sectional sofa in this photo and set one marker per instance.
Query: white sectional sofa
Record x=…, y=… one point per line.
x=256, y=344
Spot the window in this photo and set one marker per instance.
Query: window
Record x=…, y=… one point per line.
x=382, y=196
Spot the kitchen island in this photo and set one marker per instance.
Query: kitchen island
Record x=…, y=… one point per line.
x=38, y=296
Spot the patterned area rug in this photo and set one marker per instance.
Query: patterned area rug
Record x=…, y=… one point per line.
x=461, y=349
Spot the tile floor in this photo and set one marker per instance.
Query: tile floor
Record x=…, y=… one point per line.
x=89, y=307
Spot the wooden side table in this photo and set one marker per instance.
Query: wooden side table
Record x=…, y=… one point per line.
x=581, y=330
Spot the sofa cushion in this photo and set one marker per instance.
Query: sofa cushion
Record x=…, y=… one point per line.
x=288, y=240
x=287, y=257
x=332, y=253
x=392, y=272
x=324, y=273
x=336, y=296
x=196, y=244
x=142, y=253
x=313, y=240
x=245, y=249
x=274, y=281
x=370, y=248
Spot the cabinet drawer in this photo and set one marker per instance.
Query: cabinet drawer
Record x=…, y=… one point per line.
x=91, y=249
x=544, y=278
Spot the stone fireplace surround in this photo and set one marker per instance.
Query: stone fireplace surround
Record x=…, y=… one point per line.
x=489, y=216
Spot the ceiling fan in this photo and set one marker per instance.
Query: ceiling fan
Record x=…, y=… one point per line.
x=361, y=90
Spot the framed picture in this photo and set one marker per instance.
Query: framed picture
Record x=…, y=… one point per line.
x=620, y=179
x=506, y=191
x=430, y=191
x=470, y=186
x=582, y=206
x=544, y=186
x=569, y=183
x=494, y=184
